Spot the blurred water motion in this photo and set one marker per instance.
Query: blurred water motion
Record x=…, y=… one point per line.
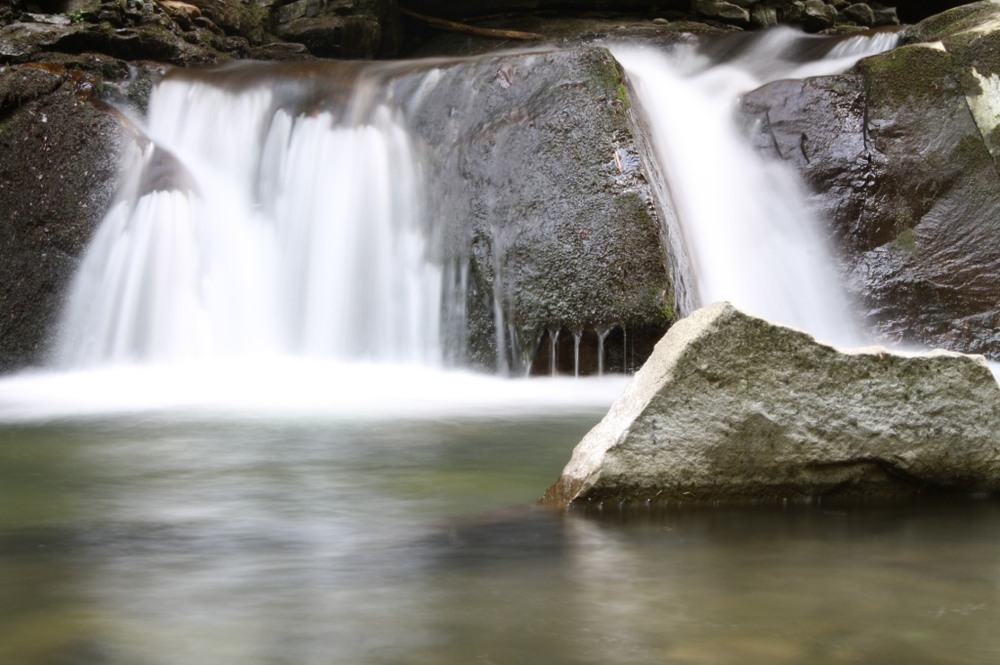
x=405, y=542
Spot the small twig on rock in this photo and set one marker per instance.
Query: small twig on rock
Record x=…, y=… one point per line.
x=496, y=33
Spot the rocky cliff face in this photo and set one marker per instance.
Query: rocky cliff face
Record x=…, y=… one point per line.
x=902, y=155
x=731, y=407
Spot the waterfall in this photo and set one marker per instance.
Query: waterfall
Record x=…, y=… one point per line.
x=747, y=231
x=249, y=225
x=271, y=241
x=279, y=212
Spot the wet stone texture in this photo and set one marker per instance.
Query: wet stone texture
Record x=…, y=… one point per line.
x=901, y=153
x=543, y=193
x=730, y=407
x=58, y=172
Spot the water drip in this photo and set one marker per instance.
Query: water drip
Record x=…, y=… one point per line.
x=553, y=350
x=602, y=334
x=523, y=347
x=577, y=336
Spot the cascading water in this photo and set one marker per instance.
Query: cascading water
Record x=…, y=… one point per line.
x=266, y=227
x=748, y=233
x=250, y=226
x=246, y=229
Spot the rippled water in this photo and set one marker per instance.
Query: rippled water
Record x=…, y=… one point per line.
x=141, y=541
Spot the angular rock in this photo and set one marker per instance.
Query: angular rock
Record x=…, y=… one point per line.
x=789, y=11
x=817, y=15
x=334, y=36
x=885, y=16
x=732, y=407
x=358, y=29
x=764, y=16
x=28, y=42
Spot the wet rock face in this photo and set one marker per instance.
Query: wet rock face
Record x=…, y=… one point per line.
x=731, y=407
x=58, y=172
x=902, y=154
x=544, y=192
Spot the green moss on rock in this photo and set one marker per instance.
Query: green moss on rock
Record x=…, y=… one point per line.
x=908, y=75
x=952, y=22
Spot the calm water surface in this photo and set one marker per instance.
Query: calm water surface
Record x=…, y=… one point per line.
x=156, y=542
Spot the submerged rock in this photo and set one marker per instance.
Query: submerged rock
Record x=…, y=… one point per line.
x=732, y=407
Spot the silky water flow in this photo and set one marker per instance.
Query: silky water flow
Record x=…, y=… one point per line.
x=243, y=455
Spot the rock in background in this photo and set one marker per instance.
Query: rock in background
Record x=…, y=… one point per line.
x=732, y=407
x=902, y=152
x=811, y=15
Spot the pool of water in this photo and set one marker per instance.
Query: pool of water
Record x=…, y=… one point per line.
x=150, y=540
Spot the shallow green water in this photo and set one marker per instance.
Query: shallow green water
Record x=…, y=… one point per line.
x=152, y=543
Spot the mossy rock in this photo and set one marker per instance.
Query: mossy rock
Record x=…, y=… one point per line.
x=952, y=22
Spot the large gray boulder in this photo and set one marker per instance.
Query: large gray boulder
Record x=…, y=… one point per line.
x=732, y=407
x=540, y=190
x=902, y=155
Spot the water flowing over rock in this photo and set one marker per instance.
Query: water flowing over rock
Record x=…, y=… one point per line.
x=508, y=151
x=544, y=195
x=902, y=155
x=518, y=172
x=732, y=407
x=758, y=245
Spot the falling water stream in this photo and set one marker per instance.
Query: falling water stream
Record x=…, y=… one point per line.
x=747, y=228
x=252, y=448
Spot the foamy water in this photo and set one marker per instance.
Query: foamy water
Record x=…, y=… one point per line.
x=285, y=387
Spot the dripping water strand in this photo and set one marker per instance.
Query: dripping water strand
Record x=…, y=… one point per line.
x=577, y=335
x=553, y=351
x=602, y=334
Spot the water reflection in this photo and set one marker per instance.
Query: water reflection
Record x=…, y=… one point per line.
x=147, y=544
